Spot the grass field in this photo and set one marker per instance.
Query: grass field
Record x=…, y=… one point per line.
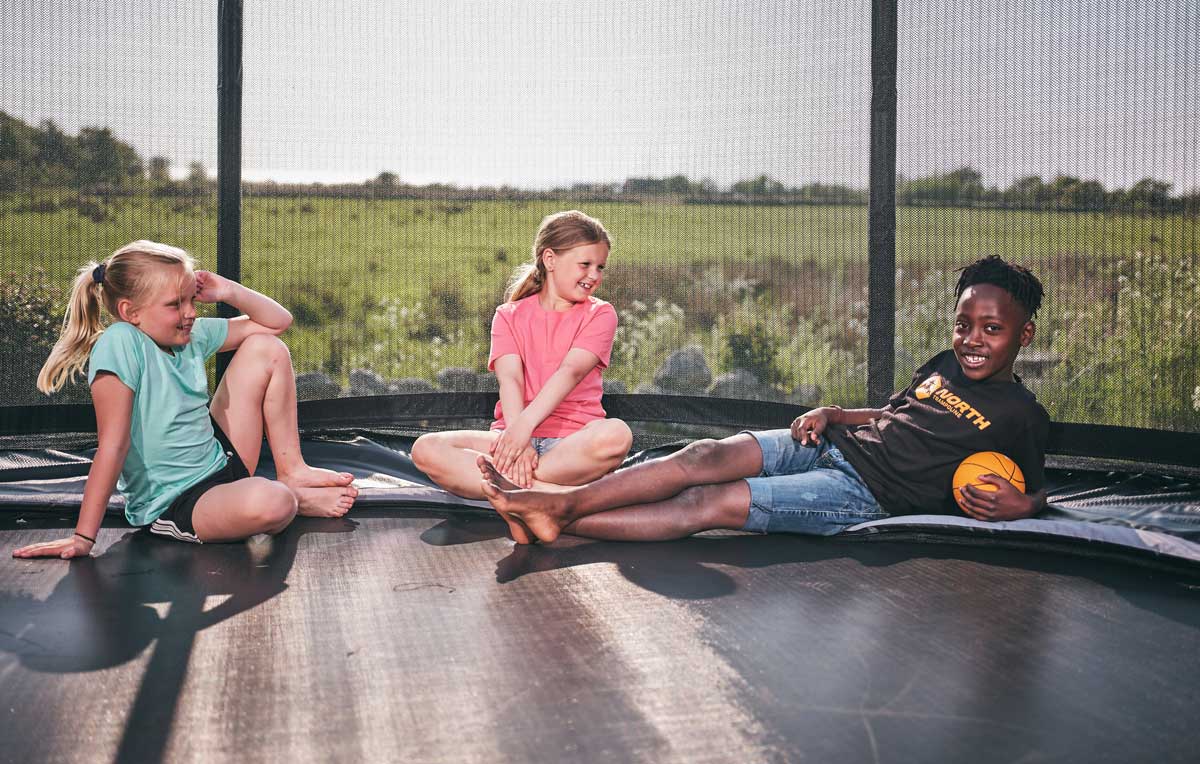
x=407, y=287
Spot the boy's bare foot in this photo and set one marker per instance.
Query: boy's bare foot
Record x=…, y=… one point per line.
x=314, y=477
x=516, y=528
x=542, y=512
x=324, y=501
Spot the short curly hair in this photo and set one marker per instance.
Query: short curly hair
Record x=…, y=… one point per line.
x=1015, y=279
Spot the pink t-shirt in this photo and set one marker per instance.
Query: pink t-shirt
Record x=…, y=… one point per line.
x=542, y=338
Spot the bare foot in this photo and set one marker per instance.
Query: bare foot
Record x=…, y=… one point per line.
x=516, y=528
x=544, y=513
x=314, y=477
x=493, y=476
x=324, y=501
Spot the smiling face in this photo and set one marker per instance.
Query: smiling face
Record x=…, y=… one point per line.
x=573, y=274
x=167, y=312
x=990, y=327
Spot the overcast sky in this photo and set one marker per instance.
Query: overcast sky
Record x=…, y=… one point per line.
x=538, y=94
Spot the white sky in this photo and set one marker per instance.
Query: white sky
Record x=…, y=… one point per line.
x=537, y=94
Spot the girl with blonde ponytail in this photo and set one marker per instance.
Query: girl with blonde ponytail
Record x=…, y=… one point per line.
x=551, y=340
x=183, y=462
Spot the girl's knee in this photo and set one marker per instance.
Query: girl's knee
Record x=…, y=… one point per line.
x=424, y=450
x=273, y=504
x=264, y=345
x=613, y=439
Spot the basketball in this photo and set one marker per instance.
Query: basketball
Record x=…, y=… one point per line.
x=986, y=463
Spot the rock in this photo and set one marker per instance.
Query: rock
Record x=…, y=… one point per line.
x=685, y=371
x=648, y=389
x=411, y=385
x=739, y=383
x=367, y=382
x=487, y=383
x=614, y=387
x=806, y=395
x=315, y=385
x=458, y=379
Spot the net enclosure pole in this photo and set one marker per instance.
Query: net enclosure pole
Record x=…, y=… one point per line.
x=881, y=223
x=229, y=152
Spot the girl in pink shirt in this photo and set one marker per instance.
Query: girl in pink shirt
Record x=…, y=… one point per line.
x=550, y=341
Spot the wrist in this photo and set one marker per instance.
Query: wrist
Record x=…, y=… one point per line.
x=834, y=414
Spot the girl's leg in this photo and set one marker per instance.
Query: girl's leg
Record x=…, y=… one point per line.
x=704, y=462
x=240, y=509
x=581, y=457
x=257, y=393
x=448, y=458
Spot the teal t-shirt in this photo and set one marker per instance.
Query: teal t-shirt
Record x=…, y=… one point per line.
x=172, y=446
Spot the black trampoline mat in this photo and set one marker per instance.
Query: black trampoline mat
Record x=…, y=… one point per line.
x=411, y=635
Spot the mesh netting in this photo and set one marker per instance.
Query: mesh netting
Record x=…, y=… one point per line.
x=397, y=159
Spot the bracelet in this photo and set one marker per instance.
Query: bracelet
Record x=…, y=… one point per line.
x=89, y=538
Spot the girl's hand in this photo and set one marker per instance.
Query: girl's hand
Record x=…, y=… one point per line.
x=211, y=287
x=523, y=468
x=513, y=444
x=64, y=548
x=1005, y=503
x=808, y=428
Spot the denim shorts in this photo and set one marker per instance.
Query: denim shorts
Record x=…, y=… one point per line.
x=543, y=445
x=806, y=489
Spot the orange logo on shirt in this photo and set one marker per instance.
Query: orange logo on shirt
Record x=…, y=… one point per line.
x=929, y=387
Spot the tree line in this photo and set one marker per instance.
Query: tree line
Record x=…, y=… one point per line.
x=96, y=160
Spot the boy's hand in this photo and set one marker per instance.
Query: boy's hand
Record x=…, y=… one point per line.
x=1005, y=503
x=808, y=428
x=211, y=287
x=63, y=548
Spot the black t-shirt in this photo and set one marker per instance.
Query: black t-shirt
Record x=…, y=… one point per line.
x=908, y=456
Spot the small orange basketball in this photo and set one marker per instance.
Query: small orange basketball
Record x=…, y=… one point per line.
x=986, y=463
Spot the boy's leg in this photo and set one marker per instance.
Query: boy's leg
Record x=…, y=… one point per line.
x=596, y=449
x=258, y=392
x=448, y=458
x=704, y=462
x=696, y=509
x=238, y=510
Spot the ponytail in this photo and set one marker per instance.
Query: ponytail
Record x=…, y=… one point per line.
x=132, y=273
x=81, y=328
x=560, y=231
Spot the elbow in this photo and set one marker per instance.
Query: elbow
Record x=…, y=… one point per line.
x=284, y=324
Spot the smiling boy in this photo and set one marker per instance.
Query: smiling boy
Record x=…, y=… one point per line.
x=834, y=467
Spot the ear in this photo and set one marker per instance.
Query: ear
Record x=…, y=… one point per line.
x=127, y=312
x=1027, y=333
x=548, y=257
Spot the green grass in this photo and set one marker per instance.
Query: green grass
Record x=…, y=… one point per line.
x=407, y=287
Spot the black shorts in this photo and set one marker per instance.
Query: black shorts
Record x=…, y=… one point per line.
x=176, y=521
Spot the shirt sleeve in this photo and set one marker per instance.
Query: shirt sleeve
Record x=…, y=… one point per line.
x=210, y=334
x=596, y=334
x=918, y=377
x=118, y=352
x=504, y=339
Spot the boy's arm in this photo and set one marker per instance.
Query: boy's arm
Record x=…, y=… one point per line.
x=808, y=428
x=114, y=411
x=262, y=314
x=1005, y=503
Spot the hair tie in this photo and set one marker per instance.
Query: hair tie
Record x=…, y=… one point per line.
x=98, y=273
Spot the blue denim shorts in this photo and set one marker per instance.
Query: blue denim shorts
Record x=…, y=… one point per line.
x=806, y=489
x=543, y=445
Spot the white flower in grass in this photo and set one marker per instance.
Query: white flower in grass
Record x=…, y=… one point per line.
x=1196, y=398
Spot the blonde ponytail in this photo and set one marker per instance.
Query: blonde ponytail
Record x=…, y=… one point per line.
x=81, y=328
x=560, y=231
x=131, y=273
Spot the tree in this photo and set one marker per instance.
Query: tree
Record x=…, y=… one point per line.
x=159, y=171
x=1150, y=195
x=386, y=180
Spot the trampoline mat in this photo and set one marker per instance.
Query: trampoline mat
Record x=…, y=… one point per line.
x=413, y=631
x=1139, y=515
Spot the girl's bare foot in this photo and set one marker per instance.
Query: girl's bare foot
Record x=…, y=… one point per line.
x=324, y=501
x=314, y=477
